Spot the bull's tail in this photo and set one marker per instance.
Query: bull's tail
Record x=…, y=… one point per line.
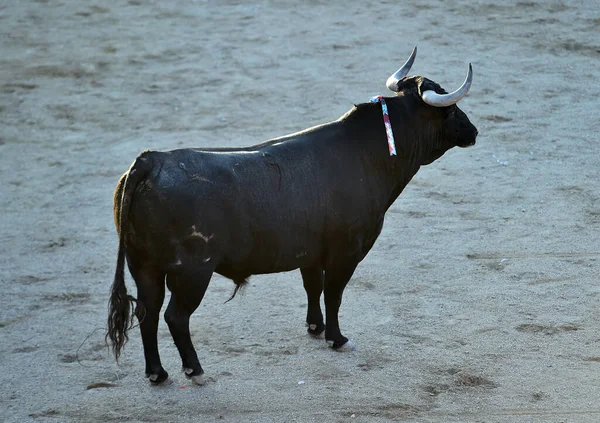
x=120, y=316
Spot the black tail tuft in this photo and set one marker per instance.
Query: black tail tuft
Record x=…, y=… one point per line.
x=120, y=316
x=239, y=283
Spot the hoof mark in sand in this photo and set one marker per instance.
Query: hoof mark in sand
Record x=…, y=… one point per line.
x=547, y=329
x=30, y=279
x=537, y=396
x=497, y=118
x=25, y=349
x=54, y=245
x=12, y=88
x=435, y=390
x=67, y=358
x=235, y=350
x=76, y=298
x=471, y=380
x=97, y=385
x=46, y=413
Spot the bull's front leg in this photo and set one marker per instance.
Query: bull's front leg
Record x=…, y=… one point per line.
x=337, y=276
x=312, y=277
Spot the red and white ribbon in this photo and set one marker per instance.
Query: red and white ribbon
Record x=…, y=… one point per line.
x=386, y=121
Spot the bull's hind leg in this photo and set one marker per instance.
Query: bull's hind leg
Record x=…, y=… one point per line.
x=336, y=278
x=187, y=287
x=312, y=277
x=150, y=284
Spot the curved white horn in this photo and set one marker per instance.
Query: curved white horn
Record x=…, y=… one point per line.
x=443, y=100
x=392, y=81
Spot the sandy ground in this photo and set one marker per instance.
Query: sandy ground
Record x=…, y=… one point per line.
x=479, y=302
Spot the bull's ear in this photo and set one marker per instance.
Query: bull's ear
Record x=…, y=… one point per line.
x=420, y=86
x=424, y=84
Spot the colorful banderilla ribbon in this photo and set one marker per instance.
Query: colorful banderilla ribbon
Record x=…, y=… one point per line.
x=386, y=121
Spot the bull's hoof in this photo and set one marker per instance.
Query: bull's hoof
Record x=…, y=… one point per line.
x=347, y=346
x=160, y=379
x=317, y=331
x=198, y=379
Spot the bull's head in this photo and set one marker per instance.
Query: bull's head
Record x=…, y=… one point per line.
x=435, y=110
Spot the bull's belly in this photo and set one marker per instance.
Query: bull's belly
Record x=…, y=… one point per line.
x=266, y=261
x=232, y=251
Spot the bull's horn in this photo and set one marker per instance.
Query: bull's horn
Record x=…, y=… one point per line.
x=392, y=81
x=443, y=100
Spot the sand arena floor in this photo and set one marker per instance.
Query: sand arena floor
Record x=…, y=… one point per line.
x=479, y=302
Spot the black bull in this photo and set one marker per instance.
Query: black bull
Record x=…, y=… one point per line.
x=314, y=200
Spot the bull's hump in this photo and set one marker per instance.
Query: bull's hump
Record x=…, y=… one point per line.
x=300, y=134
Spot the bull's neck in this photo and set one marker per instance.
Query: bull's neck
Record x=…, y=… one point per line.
x=368, y=136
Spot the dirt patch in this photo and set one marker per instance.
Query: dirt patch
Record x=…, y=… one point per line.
x=496, y=118
x=54, y=245
x=547, y=329
x=31, y=279
x=97, y=385
x=27, y=349
x=472, y=380
x=73, y=298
